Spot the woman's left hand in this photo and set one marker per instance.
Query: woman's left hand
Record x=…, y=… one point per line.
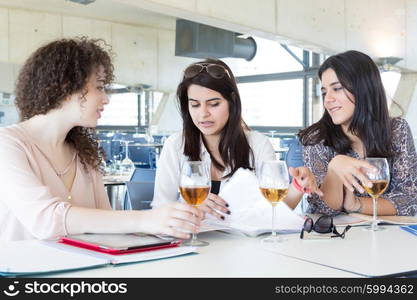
x=306, y=180
x=213, y=205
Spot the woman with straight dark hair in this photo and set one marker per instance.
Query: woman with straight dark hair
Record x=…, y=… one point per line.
x=355, y=125
x=214, y=132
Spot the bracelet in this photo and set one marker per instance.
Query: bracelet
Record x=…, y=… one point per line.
x=359, y=210
x=298, y=187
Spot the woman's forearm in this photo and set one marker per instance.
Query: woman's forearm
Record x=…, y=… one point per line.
x=332, y=189
x=83, y=220
x=385, y=207
x=293, y=197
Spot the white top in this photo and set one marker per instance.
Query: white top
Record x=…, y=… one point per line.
x=172, y=157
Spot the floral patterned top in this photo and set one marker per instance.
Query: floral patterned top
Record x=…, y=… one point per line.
x=402, y=190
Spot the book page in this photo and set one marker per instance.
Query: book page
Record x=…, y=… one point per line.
x=396, y=220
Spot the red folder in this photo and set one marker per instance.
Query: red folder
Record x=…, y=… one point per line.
x=108, y=250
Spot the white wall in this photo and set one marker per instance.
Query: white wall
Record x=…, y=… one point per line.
x=377, y=27
x=144, y=55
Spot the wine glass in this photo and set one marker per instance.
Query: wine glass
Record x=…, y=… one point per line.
x=194, y=189
x=380, y=180
x=127, y=167
x=273, y=183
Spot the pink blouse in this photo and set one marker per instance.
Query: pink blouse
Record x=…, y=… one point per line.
x=34, y=201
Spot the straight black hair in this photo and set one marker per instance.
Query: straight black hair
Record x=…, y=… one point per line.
x=233, y=147
x=359, y=75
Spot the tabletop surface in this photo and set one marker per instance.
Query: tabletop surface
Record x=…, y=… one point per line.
x=228, y=255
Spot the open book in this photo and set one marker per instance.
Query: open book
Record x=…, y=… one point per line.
x=33, y=257
x=251, y=213
x=360, y=219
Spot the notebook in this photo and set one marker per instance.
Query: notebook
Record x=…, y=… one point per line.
x=30, y=257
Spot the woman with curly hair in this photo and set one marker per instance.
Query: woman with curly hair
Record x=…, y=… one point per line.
x=49, y=176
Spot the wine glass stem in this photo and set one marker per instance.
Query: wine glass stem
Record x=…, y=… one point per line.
x=374, y=222
x=274, y=233
x=193, y=238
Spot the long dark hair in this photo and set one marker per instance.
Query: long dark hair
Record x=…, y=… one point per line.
x=358, y=74
x=57, y=70
x=233, y=147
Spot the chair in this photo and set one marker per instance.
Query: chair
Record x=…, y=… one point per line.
x=142, y=157
x=143, y=175
x=139, y=195
x=294, y=155
x=106, y=145
x=139, y=189
x=294, y=158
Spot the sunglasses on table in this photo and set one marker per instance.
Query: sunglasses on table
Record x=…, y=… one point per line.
x=214, y=70
x=323, y=224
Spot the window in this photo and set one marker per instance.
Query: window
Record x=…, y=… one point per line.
x=270, y=58
x=121, y=111
x=390, y=81
x=276, y=86
x=272, y=103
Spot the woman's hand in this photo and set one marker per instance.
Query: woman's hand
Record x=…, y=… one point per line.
x=174, y=219
x=305, y=179
x=348, y=170
x=213, y=205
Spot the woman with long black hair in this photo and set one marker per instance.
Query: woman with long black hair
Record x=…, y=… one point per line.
x=355, y=125
x=214, y=132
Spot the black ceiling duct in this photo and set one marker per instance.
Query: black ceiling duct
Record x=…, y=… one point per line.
x=201, y=41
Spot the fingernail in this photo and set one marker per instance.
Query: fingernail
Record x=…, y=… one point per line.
x=228, y=212
x=227, y=205
x=222, y=217
x=305, y=189
x=302, y=178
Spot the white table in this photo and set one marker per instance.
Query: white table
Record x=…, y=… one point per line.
x=365, y=253
x=228, y=255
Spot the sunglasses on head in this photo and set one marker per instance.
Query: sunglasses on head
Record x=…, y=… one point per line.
x=324, y=224
x=214, y=70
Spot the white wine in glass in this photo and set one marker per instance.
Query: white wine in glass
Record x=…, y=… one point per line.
x=380, y=181
x=273, y=183
x=194, y=189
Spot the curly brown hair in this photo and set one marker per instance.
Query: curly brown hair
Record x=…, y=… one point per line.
x=56, y=71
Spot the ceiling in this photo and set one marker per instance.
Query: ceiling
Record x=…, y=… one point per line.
x=107, y=10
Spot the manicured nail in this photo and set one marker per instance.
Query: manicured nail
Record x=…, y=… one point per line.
x=228, y=212
x=222, y=217
x=302, y=178
x=227, y=205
